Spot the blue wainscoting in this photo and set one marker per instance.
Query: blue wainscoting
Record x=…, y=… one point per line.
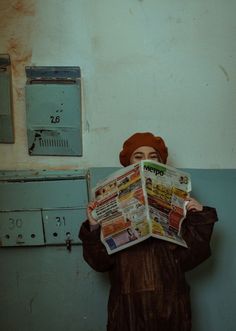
x=49, y=288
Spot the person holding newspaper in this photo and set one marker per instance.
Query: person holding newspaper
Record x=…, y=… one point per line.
x=148, y=286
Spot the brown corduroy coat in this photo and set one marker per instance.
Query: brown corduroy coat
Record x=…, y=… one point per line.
x=148, y=287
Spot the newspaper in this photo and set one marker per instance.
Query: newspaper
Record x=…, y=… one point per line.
x=142, y=200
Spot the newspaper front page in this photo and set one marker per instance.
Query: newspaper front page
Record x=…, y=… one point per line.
x=142, y=200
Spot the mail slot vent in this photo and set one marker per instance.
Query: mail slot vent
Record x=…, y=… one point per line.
x=53, y=143
x=53, y=111
x=47, y=142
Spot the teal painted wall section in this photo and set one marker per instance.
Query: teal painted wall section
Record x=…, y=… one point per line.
x=213, y=283
x=45, y=289
x=49, y=288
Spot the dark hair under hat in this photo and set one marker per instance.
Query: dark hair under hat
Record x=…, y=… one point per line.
x=142, y=139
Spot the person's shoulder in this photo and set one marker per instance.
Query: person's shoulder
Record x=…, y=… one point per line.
x=205, y=216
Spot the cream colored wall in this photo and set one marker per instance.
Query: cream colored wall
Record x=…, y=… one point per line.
x=147, y=65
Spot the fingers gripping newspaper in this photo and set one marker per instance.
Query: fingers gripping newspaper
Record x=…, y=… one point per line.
x=142, y=200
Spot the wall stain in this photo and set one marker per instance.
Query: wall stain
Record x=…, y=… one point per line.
x=225, y=72
x=19, y=93
x=96, y=42
x=17, y=280
x=20, y=57
x=31, y=304
x=101, y=129
x=176, y=20
x=16, y=20
x=10, y=11
x=26, y=8
x=87, y=126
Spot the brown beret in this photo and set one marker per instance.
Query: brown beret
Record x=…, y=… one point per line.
x=142, y=139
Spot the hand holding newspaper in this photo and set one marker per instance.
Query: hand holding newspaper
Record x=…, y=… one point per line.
x=142, y=200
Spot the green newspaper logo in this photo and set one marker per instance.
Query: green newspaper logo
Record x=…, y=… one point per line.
x=154, y=168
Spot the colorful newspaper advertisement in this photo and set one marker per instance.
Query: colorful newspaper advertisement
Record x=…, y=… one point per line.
x=142, y=200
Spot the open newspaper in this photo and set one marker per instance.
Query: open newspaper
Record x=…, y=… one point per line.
x=142, y=200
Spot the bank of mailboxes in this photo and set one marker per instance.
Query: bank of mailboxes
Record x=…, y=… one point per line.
x=42, y=207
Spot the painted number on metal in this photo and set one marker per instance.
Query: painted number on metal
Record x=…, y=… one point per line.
x=55, y=119
x=15, y=223
x=61, y=221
